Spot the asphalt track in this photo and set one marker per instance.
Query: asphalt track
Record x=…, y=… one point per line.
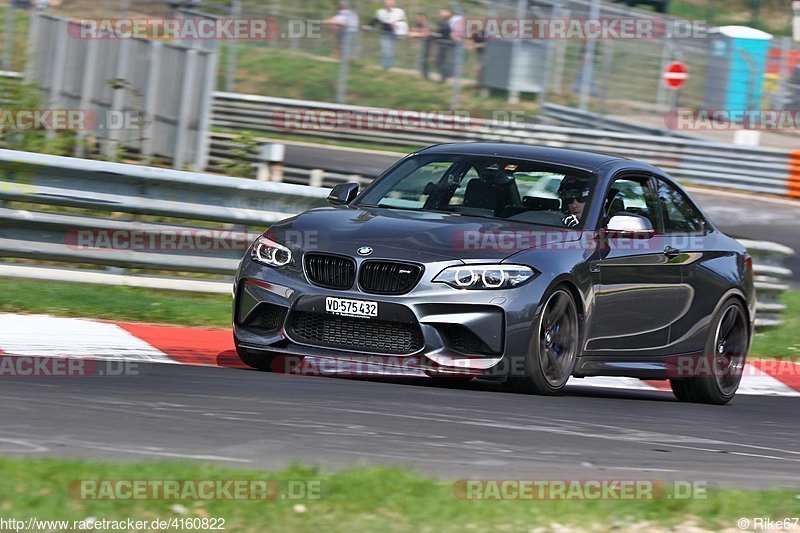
x=251, y=419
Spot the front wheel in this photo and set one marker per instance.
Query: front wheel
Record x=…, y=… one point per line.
x=553, y=349
x=725, y=354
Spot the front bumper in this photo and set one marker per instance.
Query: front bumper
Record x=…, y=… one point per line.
x=434, y=330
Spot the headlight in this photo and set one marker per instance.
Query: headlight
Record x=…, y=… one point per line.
x=485, y=276
x=270, y=253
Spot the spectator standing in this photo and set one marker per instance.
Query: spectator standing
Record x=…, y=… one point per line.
x=444, y=45
x=345, y=24
x=422, y=30
x=392, y=23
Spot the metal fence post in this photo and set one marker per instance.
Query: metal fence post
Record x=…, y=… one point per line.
x=182, y=134
x=87, y=90
x=587, y=70
x=661, y=94
x=9, y=37
x=559, y=57
x=59, y=64
x=607, y=79
x=231, y=46
x=151, y=90
x=513, y=92
x=204, y=122
x=344, y=63
x=458, y=68
x=550, y=49
x=785, y=73
x=119, y=96
x=33, y=37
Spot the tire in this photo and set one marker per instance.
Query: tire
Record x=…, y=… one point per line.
x=254, y=360
x=726, y=350
x=553, y=349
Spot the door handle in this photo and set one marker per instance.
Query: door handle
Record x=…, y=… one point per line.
x=671, y=252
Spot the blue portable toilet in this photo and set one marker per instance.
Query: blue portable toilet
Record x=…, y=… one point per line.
x=736, y=66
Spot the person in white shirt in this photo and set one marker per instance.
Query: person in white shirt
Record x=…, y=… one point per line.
x=392, y=23
x=345, y=23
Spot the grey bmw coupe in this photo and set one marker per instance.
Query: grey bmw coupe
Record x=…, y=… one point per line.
x=516, y=263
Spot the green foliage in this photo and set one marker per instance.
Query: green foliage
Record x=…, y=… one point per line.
x=246, y=146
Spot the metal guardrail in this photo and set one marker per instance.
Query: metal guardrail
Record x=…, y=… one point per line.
x=699, y=161
x=560, y=115
x=226, y=207
x=231, y=203
x=770, y=279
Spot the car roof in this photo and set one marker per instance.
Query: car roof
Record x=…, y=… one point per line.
x=556, y=156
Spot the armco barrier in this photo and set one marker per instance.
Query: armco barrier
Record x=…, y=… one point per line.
x=234, y=204
x=699, y=161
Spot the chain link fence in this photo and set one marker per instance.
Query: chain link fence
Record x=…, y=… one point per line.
x=607, y=76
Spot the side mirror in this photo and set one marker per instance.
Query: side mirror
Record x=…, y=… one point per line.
x=343, y=193
x=629, y=225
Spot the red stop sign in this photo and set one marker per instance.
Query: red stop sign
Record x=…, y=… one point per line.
x=675, y=75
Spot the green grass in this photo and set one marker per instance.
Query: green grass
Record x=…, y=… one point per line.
x=114, y=303
x=358, y=499
x=774, y=17
x=288, y=74
x=783, y=341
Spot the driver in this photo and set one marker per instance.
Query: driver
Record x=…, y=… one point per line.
x=573, y=193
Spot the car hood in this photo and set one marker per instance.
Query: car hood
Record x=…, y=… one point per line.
x=413, y=235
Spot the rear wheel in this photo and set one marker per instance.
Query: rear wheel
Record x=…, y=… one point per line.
x=254, y=359
x=725, y=354
x=553, y=349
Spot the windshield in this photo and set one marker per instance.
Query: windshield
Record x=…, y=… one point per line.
x=484, y=186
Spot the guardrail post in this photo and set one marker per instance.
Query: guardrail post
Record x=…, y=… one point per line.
x=315, y=177
x=269, y=162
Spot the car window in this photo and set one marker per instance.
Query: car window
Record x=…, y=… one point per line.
x=539, y=184
x=485, y=186
x=677, y=211
x=630, y=195
x=458, y=195
x=410, y=191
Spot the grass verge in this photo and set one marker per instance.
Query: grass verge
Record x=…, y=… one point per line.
x=357, y=499
x=114, y=303
x=783, y=341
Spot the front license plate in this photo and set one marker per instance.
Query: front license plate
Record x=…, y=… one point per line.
x=341, y=306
